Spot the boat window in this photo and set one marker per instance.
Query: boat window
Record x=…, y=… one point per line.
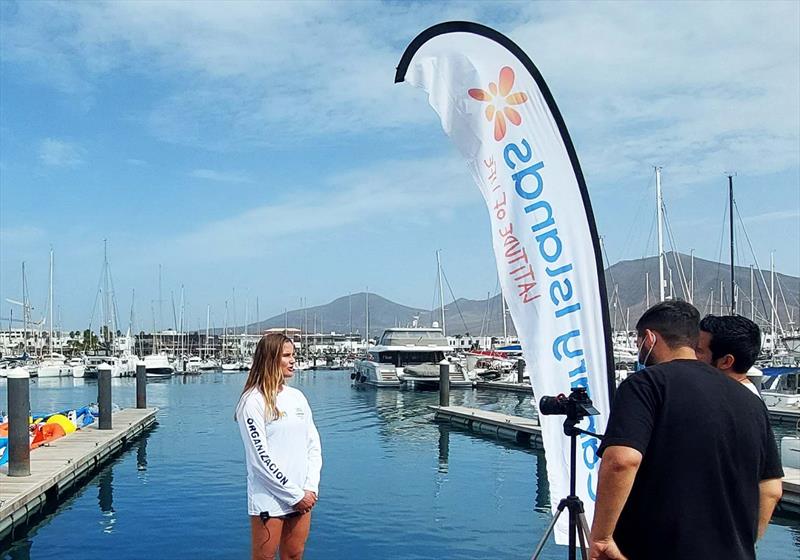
x=414, y=358
x=388, y=357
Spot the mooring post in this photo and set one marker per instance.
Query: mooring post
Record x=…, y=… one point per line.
x=520, y=370
x=104, y=395
x=444, y=383
x=19, y=409
x=141, y=386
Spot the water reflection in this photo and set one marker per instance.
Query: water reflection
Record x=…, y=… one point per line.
x=444, y=448
x=20, y=551
x=141, y=455
x=105, y=499
x=542, y=484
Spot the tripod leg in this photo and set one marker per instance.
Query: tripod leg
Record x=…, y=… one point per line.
x=547, y=532
x=583, y=535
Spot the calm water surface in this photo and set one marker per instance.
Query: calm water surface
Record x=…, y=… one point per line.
x=394, y=484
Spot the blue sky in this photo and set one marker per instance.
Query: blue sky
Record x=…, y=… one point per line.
x=264, y=146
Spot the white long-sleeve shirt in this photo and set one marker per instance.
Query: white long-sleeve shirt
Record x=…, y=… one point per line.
x=283, y=456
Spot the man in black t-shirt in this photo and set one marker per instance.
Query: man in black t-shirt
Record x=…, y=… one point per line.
x=690, y=466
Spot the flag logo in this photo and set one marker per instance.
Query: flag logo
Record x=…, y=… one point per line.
x=500, y=101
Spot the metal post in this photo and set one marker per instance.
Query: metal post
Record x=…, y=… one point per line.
x=520, y=370
x=104, y=395
x=19, y=409
x=444, y=383
x=141, y=386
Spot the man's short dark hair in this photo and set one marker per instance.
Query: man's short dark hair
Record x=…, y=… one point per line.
x=676, y=321
x=735, y=335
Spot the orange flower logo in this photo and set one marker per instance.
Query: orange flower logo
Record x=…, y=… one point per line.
x=500, y=101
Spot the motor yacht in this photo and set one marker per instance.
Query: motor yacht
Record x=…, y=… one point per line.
x=408, y=356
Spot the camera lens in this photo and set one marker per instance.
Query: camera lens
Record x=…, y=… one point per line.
x=553, y=405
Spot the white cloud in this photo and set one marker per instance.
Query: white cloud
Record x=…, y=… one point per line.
x=771, y=217
x=136, y=162
x=60, y=153
x=21, y=235
x=696, y=87
x=409, y=191
x=220, y=176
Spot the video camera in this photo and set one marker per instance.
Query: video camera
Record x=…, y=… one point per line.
x=576, y=406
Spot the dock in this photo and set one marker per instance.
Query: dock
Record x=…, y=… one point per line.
x=506, y=386
x=784, y=414
x=528, y=431
x=58, y=467
x=520, y=429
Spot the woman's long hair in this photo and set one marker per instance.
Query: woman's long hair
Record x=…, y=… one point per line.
x=265, y=373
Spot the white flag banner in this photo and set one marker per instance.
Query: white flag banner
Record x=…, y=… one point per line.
x=495, y=106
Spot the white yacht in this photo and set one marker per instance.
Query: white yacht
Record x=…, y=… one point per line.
x=93, y=362
x=54, y=365
x=410, y=356
x=158, y=365
x=78, y=367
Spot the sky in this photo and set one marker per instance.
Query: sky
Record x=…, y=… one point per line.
x=261, y=151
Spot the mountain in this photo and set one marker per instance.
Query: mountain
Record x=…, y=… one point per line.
x=626, y=284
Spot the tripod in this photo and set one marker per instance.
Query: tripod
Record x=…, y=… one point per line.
x=577, y=518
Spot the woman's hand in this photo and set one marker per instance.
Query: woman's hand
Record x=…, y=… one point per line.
x=308, y=502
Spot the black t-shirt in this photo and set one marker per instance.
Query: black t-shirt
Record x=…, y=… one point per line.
x=707, y=443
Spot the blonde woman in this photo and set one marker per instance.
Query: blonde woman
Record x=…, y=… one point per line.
x=282, y=451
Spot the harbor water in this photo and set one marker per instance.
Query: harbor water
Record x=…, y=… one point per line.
x=394, y=483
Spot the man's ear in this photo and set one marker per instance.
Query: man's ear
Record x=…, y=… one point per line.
x=725, y=362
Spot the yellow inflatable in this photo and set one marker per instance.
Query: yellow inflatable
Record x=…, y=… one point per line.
x=62, y=421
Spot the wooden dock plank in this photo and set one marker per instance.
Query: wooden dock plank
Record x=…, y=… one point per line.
x=56, y=467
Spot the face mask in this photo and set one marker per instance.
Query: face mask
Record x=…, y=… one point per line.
x=642, y=364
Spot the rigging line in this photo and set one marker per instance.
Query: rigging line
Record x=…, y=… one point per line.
x=608, y=261
x=446, y=281
x=760, y=272
x=114, y=309
x=433, y=300
x=637, y=213
x=96, y=299
x=643, y=267
x=497, y=290
x=676, y=257
x=780, y=289
x=761, y=296
x=721, y=239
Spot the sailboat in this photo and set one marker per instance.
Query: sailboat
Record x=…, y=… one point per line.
x=157, y=363
x=52, y=364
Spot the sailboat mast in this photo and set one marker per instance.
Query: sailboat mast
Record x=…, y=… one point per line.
x=24, y=312
x=51, y=302
x=772, y=294
x=208, y=324
x=505, y=313
x=660, y=219
x=647, y=290
x=367, y=312
x=225, y=333
x=691, y=290
x=752, y=301
x=160, y=303
x=730, y=203
x=441, y=290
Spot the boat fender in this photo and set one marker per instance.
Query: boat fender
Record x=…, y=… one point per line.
x=62, y=421
x=353, y=375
